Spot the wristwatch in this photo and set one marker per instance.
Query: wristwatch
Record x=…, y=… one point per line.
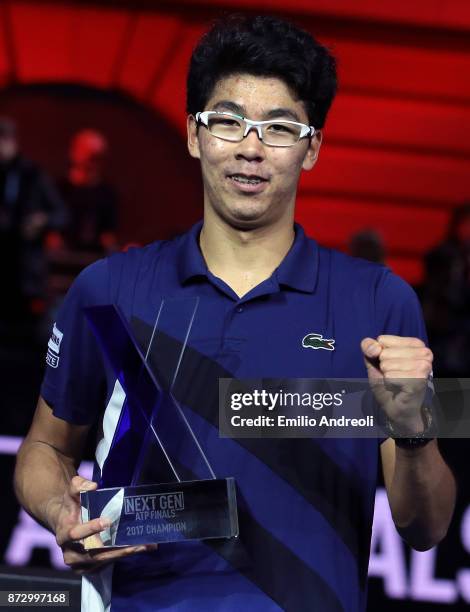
x=412, y=443
x=421, y=439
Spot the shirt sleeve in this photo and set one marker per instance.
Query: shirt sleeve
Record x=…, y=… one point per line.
x=398, y=311
x=74, y=384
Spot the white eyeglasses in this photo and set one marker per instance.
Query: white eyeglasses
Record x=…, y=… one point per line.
x=234, y=128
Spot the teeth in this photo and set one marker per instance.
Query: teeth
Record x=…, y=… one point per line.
x=244, y=179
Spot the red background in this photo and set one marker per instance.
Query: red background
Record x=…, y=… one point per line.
x=397, y=142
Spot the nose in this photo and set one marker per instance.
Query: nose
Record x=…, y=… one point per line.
x=251, y=147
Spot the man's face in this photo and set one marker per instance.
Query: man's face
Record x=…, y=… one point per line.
x=8, y=148
x=242, y=205
x=87, y=152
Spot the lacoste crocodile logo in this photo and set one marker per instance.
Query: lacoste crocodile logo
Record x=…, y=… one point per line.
x=317, y=341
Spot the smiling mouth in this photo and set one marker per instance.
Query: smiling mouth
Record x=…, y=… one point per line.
x=247, y=179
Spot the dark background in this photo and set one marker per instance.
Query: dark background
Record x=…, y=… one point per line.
x=395, y=158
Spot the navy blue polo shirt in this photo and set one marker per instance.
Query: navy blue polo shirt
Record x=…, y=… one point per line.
x=305, y=506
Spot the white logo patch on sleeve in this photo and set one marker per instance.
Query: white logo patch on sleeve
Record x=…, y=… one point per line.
x=53, y=347
x=55, y=339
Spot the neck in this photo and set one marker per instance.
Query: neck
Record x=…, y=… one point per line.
x=244, y=258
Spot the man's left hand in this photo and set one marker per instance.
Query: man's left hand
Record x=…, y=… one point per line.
x=398, y=370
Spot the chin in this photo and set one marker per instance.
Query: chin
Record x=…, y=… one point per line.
x=248, y=211
x=247, y=222
x=247, y=214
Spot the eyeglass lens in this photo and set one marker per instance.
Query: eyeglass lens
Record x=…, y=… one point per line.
x=274, y=133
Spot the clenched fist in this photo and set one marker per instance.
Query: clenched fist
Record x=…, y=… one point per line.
x=398, y=369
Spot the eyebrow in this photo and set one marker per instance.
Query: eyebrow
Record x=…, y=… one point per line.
x=275, y=113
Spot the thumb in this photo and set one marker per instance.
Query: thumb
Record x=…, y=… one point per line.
x=76, y=486
x=371, y=350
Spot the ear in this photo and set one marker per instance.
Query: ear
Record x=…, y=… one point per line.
x=313, y=150
x=193, y=141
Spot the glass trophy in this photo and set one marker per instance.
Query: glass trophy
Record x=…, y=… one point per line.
x=156, y=483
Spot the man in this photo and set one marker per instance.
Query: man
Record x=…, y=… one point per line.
x=91, y=201
x=445, y=295
x=30, y=208
x=255, y=88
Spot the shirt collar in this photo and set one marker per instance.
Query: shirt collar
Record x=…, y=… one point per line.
x=298, y=269
x=190, y=261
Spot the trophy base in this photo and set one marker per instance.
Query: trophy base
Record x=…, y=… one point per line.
x=159, y=513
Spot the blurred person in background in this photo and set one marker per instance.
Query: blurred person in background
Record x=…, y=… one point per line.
x=30, y=209
x=367, y=244
x=446, y=297
x=91, y=201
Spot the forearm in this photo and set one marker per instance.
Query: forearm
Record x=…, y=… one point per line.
x=42, y=475
x=422, y=495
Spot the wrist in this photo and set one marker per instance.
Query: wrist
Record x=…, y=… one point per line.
x=421, y=433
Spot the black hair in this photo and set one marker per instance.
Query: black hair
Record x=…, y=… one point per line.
x=263, y=46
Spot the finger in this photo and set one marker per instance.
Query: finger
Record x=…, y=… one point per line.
x=420, y=371
x=67, y=535
x=108, y=556
x=74, y=558
x=79, y=484
x=84, y=530
x=72, y=494
x=407, y=368
x=93, y=541
x=371, y=348
x=396, y=365
x=93, y=563
x=73, y=547
x=400, y=352
x=96, y=552
x=71, y=499
x=389, y=341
